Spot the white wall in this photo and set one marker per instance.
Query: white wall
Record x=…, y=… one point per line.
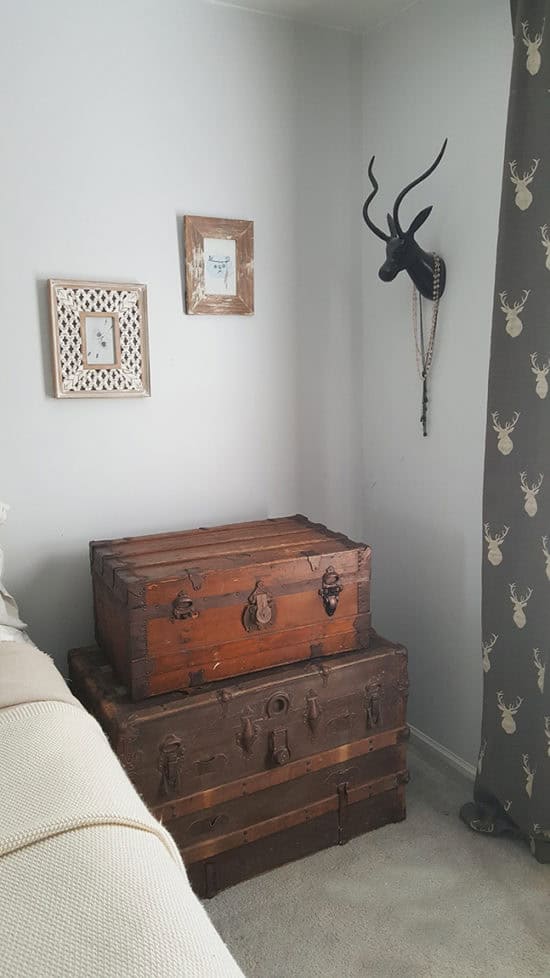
x=329, y=281
x=118, y=118
x=439, y=69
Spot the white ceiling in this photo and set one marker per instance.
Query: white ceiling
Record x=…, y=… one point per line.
x=353, y=15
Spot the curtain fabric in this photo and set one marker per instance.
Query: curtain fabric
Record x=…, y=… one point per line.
x=512, y=791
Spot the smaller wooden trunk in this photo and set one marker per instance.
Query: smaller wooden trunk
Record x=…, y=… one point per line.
x=251, y=773
x=178, y=610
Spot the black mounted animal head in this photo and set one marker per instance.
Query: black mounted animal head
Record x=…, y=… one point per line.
x=402, y=251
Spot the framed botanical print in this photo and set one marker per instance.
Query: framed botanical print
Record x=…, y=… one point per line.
x=219, y=266
x=99, y=339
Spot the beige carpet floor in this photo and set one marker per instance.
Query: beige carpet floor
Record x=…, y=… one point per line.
x=425, y=898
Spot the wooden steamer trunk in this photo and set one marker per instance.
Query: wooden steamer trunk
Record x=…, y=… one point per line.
x=177, y=610
x=271, y=767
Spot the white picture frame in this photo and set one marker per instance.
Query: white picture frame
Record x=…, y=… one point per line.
x=110, y=359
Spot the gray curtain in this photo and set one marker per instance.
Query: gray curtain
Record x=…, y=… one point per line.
x=512, y=791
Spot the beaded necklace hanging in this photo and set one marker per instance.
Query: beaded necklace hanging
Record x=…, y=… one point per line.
x=424, y=354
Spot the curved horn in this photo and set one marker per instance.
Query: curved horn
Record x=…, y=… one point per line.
x=415, y=183
x=372, y=195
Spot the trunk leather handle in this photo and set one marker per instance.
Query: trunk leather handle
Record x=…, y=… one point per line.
x=374, y=706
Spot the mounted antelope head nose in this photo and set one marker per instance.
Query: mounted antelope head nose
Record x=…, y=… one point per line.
x=402, y=251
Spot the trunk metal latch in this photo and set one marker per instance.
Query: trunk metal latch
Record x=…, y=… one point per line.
x=330, y=590
x=279, y=746
x=259, y=610
x=182, y=607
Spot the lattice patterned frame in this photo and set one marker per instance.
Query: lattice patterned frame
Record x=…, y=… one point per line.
x=127, y=304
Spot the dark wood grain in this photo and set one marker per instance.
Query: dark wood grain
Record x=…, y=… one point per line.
x=210, y=875
x=209, y=722
x=251, y=773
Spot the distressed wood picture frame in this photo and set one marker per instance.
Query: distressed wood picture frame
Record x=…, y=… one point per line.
x=99, y=339
x=219, y=266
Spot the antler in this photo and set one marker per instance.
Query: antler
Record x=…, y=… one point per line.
x=544, y=234
x=489, y=646
x=379, y=233
x=508, y=425
x=498, y=537
x=518, y=306
x=527, y=174
x=521, y=599
x=545, y=546
x=526, y=768
x=535, y=487
x=527, y=177
x=415, y=183
x=535, y=368
x=537, y=657
x=538, y=37
x=513, y=708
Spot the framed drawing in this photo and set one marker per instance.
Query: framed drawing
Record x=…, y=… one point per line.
x=219, y=266
x=99, y=339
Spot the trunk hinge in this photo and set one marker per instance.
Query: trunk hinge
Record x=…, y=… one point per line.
x=342, y=791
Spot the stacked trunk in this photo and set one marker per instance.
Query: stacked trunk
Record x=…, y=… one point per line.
x=181, y=609
x=241, y=686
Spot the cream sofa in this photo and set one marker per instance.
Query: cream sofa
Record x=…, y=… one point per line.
x=91, y=885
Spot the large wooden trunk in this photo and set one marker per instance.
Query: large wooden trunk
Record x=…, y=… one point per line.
x=251, y=773
x=178, y=610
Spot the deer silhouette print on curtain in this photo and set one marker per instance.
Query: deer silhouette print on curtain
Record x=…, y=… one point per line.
x=512, y=789
x=514, y=324
x=533, y=48
x=524, y=197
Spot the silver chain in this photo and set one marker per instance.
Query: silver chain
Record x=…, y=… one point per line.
x=424, y=360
